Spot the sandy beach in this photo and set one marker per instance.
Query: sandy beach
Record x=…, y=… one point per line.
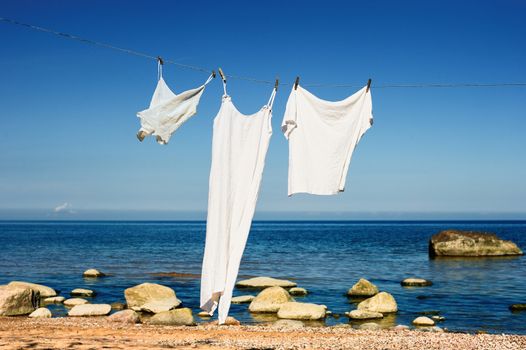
x=97, y=333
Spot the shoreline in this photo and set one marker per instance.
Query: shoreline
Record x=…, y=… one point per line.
x=98, y=332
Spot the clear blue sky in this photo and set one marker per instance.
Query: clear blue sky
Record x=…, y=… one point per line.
x=68, y=110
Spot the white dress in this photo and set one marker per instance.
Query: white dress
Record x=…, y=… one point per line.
x=322, y=136
x=239, y=147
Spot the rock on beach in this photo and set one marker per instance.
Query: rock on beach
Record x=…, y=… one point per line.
x=17, y=300
x=270, y=300
x=44, y=291
x=125, y=316
x=41, y=312
x=90, y=310
x=301, y=311
x=423, y=321
x=382, y=302
x=364, y=315
x=176, y=317
x=469, y=243
x=151, y=297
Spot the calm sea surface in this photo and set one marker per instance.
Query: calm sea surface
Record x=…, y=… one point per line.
x=327, y=258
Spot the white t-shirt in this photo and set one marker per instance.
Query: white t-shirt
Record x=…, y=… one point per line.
x=322, y=137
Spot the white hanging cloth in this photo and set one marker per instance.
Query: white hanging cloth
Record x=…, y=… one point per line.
x=322, y=136
x=168, y=111
x=239, y=148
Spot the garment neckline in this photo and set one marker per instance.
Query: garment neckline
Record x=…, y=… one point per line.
x=334, y=103
x=229, y=99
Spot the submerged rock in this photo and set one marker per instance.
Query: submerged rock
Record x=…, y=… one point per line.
x=93, y=273
x=518, y=307
x=270, y=300
x=44, y=291
x=370, y=326
x=296, y=291
x=382, y=302
x=467, y=243
x=242, y=299
x=81, y=292
x=90, y=310
x=438, y=318
x=75, y=301
x=41, y=312
x=301, y=311
x=176, y=317
x=416, y=282
x=363, y=288
x=265, y=282
x=423, y=321
x=288, y=324
x=364, y=315
x=125, y=316
x=151, y=297
x=17, y=300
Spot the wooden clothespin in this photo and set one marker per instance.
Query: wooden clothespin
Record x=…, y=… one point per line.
x=368, y=86
x=296, y=83
x=222, y=75
x=161, y=61
x=276, y=84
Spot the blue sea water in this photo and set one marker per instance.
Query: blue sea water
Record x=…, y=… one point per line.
x=326, y=258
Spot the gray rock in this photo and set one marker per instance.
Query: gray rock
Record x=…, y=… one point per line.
x=364, y=315
x=125, y=316
x=243, y=299
x=17, y=300
x=75, y=301
x=151, y=297
x=467, y=243
x=176, y=317
x=41, y=312
x=265, y=282
x=423, y=321
x=54, y=300
x=93, y=273
x=270, y=300
x=296, y=291
x=301, y=311
x=416, y=282
x=90, y=310
x=382, y=302
x=363, y=288
x=81, y=292
x=44, y=291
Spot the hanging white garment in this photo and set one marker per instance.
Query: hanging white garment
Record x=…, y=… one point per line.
x=322, y=136
x=168, y=111
x=239, y=148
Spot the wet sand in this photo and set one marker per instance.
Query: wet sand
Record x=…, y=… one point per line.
x=98, y=333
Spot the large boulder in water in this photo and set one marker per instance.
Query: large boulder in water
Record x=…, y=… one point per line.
x=17, y=301
x=270, y=300
x=44, y=291
x=265, y=282
x=382, y=302
x=301, y=311
x=151, y=297
x=362, y=288
x=468, y=243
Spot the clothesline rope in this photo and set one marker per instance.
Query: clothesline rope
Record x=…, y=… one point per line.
x=251, y=79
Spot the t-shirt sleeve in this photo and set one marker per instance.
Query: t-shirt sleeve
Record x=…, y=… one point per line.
x=289, y=122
